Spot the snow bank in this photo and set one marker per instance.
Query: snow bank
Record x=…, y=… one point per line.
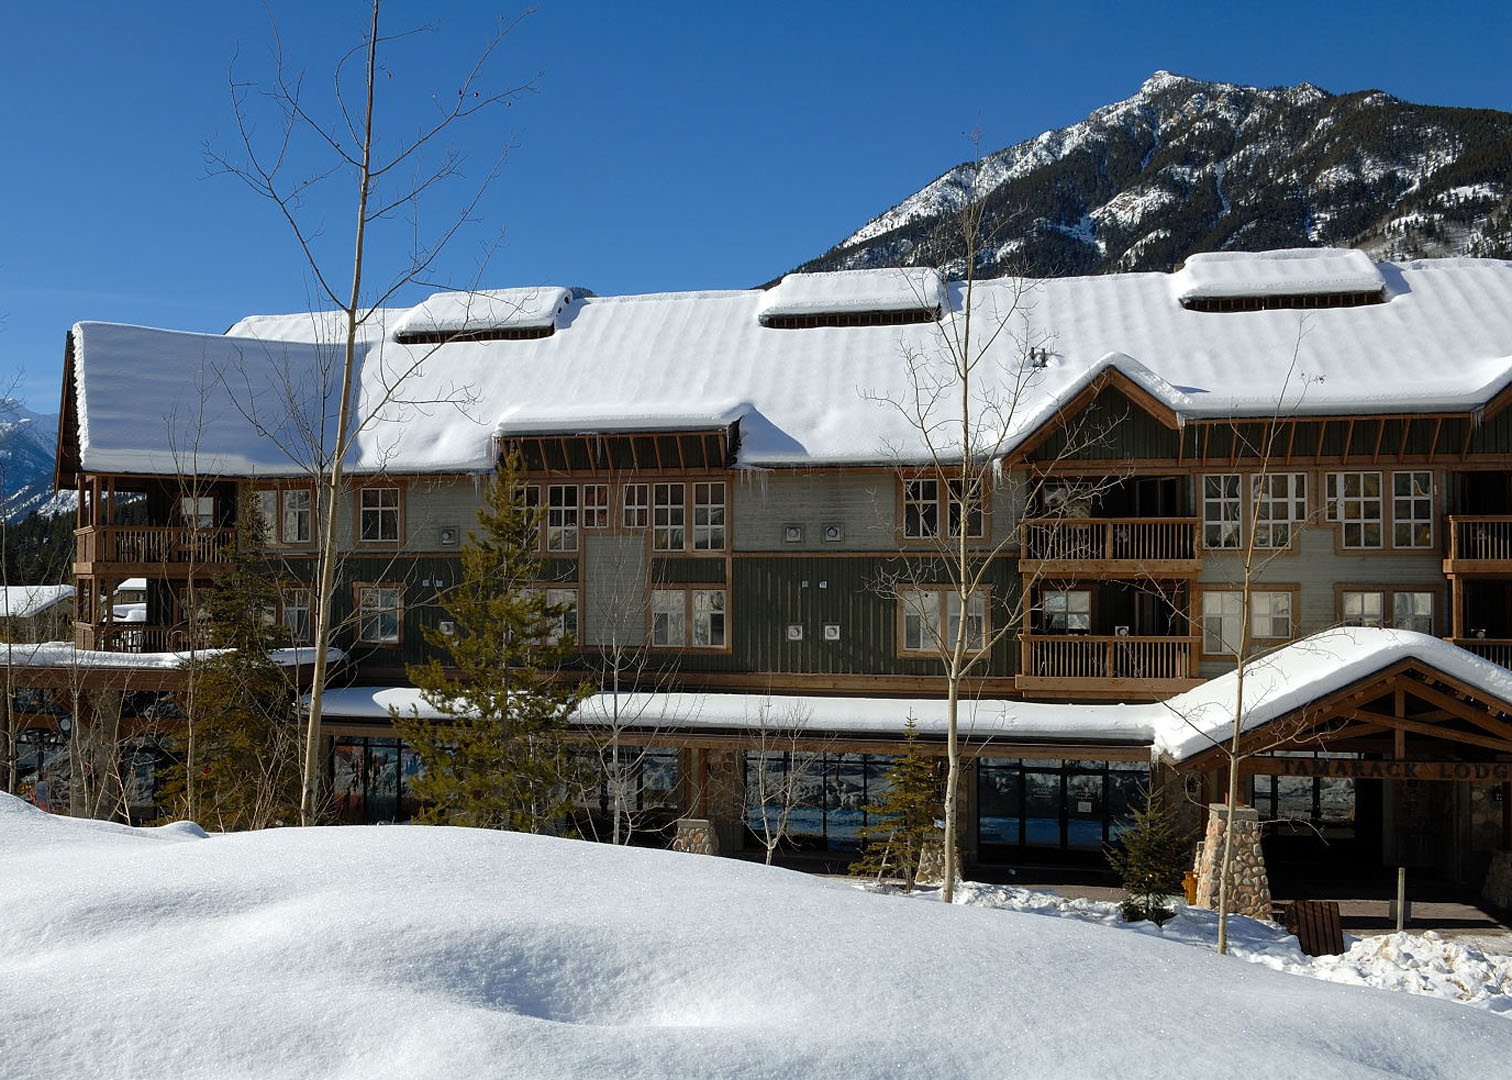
x=428, y=952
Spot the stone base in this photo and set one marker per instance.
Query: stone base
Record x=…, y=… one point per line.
x=1497, y=891
x=696, y=836
x=1249, y=885
x=932, y=862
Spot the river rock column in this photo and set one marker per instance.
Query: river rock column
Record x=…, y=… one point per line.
x=1249, y=885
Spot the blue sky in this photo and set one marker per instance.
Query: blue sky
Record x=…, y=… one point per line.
x=667, y=146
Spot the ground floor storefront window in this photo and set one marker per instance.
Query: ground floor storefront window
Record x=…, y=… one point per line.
x=640, y=783
x=826, y=796
x=371, y=780
x=1054, y=805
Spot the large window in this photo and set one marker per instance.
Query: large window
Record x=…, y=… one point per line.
x=928, y=502
x=1221, y=511
x=709, y=516
x=379, y=515
x=378, y=614
x=669, y=517
x=595, y=506
x=1412, y=611
x=1354, y=501
x=688, y=619
x=294, y=615
x=1412, y=509
x=1067, y=611
x=637, y=503
x=562, y=517
x=197, y=511
x=1056, y=804
x=932, y=618
x=1280, y=502
x=1401, y=609
x=294, y=521
x=823, y=797
x=1223, y=619
x=566, y=624
x=1361, y=608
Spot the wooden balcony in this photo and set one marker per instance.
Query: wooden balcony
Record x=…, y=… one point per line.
x=150, y=550
x=135, y=638
x=1496, y=650
x=1111, y=547
x=1082, y=665
x=1479, y=545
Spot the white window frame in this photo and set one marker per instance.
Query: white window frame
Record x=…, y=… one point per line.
x=561, y=517
x=378, y=509
x=1268, y=609
x=1222, y=621
x=1071, y=608
x=690, y=618
x=636, y=502
x=595, y=506
x=374, y=602
x=292, y=600
x=1399, y=616
x=709, y=515
x=300, y=518
x=1359, y=513
x=931, y=503
x=1277, y=513
x=197, y=511
x=1362, y=607
x=1223, y=512
x=267, y=513
x=921, y=508
x=669, y=517
x=929, y=618
x=566, y=621
x=1412, y=510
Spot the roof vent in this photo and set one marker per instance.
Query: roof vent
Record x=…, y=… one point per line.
x=890, y=297
x=1268, y=280
x=491, y=315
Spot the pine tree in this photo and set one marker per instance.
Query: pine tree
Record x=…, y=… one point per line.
x=906, y=813
x=495, y=758
x=243, y=709
x=1152, y=856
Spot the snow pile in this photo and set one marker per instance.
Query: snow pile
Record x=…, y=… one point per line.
x=1427, y=964
x=428, y=952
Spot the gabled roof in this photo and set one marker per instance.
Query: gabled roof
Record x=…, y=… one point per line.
x=1441, y=342
x=24, y=601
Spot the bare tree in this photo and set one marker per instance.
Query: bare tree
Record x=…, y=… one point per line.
x=386, y=181
x=787, y=759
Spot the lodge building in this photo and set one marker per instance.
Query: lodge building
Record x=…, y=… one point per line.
x=754, y=496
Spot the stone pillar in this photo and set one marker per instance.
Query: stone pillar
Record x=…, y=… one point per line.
x=696, y=836
x=722, y=798
x=1249, y=886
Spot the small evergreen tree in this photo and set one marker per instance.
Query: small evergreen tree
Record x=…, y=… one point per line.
x=1151, y=858
x=495, y=758
x=246, y=755
x=906, y=813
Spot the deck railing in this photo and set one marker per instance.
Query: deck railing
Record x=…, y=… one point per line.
x=1081, y=656
x=136, y=638
x=1481, y=539
x=1111, y=539
x=151, y=544
x=1496, y=650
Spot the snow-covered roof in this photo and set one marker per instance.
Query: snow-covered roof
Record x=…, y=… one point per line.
x=63, y=654
x=840, y=292
x=1181, y=727
x=1287, y=272
x=493, y=309
x=1442, y=342
x=24, y=601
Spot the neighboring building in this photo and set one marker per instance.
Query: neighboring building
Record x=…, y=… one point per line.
x=33, y=613
x=730, y=493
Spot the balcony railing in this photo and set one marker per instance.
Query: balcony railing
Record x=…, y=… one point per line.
x=1484, y=540
x=1132, y=542
x=151, y=544
x=1085, y=657
x=136, y=638
x=1496, y=650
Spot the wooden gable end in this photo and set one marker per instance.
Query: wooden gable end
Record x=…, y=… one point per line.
x=1112, y=419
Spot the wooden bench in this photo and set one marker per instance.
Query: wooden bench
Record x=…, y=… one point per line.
x=1316, y=924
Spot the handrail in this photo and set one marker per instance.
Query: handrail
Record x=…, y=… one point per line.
x=152, y=544
x=1095, y=656
x=1485, y=538
x=1111, y=539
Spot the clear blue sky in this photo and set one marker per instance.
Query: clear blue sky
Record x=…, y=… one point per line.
x=669, y=146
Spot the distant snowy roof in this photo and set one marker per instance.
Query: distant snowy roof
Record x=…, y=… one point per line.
x=1287, y=272
x=1441, y=343
x=1181, y=727
x=24, y=601
x=496, y=309
x=849, y=291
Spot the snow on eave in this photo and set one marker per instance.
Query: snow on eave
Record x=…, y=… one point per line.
x=636, y=420
x=1285, y=272
x=841, y=292
x=1306, y=671
x=485, y=309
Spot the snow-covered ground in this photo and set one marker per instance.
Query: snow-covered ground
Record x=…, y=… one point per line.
x=420, y=952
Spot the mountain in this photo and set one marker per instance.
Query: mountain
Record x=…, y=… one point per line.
x=1185, y=166
x=27, y=448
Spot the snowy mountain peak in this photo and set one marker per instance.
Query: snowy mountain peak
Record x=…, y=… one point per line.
x=1185, y=165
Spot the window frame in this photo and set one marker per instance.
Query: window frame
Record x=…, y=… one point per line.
x=1389, y=594
x=361, y=613
x=308, y=607
x=1291, y=592
x=397, y=510
x=931, y=507
x=569, y=621
x=1225, y=502
x=662, y=531
x=710, y=517
x=635, y=515
x=1293, y=499
x=943, y=609
x=1429, y=498
x=562, y=518
x=685, y=610
x=1349, y=513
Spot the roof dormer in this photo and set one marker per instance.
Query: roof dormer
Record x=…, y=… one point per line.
x=895, y=296
x=484, y=315
x=1268, y=280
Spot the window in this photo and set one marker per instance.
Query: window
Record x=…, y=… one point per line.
x=637, y=499
x=1067, y=611
x=562, y=517
x=922, y=510
x=266, y=501
x=595, y=506
x=669, y=517
x=675, y=611
x=294, y=615
x=380, y=515
x=378, y=614
x=1280, y=501
x=1221, y=510
x=709, y=517
x=197, y=511
x=1412, y=611
x=1412, y=509
x=294, y=523
x=1223, y=615
x=1354, y=501
x=932, y=617
x=1362, y=608
x=566, y=619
